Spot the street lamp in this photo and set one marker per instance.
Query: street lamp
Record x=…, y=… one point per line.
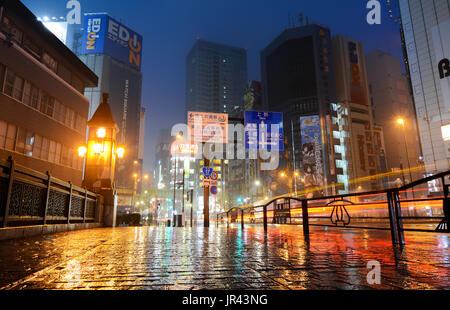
x=100, y=155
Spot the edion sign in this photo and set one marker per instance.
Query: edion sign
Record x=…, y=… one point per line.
x=105, y=35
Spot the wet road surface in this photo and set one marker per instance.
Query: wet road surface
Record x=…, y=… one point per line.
x=223, y=258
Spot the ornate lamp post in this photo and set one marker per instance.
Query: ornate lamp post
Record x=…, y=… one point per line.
x=100, y=156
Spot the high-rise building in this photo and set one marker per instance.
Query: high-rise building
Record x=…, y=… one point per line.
x=426, y=28
x=298, y=80
x=393, y=110
x=114, y=52
x=216, y=81
x=360, y=155
x=216, y=78
x=43, y=110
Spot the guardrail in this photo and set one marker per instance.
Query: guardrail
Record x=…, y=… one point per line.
x=390, y=209
x=28, y=197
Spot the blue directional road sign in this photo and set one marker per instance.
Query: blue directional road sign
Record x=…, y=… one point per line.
x=258, y=131
x=207, y=171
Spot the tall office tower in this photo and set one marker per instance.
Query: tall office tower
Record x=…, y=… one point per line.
x=298, y=80
x=392, y=103
x=114, y=52
x=353, y=95
x=426, y=27
x=216, y=78
x=216, y=81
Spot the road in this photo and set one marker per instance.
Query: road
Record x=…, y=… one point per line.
x=223, y=258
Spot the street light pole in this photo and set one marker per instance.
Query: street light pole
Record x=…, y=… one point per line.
x=293, y=156
x=174, y=191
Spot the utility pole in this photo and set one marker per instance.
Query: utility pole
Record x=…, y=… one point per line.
x=206, y=163
x=174, y=192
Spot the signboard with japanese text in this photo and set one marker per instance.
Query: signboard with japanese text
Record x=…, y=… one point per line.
x=208, y=127
x=103, y=34
x=258, y=130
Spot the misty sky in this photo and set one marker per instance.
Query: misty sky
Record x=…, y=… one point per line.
x=170, y=28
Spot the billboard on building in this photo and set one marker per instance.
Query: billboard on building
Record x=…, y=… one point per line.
x=362, y=140
x=441, y=40
x=357, y=76
x=312, y=159
x=103, y=34
x=253, y=96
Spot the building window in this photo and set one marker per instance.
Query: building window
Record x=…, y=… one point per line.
x=37, y=146
x=31, y=95
x=3, y=131
x=50, y=62
x=14, y=85
x=25, y=141
x=60, y=112
x=65, y=156
x=32, y=48
x=44, y=149
x=58, y=153
x=52, y=151
x=10, y=137
x=47, y=105
x=70, y=118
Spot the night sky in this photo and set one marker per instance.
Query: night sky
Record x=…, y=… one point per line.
x=170, y=28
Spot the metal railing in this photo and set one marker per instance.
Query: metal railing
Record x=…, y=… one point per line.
x=395, y=209
x=28, y=197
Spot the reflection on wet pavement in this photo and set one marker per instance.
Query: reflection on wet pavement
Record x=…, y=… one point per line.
x=223, y=258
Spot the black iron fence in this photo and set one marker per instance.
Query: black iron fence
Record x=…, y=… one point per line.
x=28, y=197
x=423, y=205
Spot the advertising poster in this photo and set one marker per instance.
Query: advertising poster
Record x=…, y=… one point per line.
x=312, y=159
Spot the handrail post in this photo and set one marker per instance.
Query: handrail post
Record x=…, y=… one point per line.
x=10, y=187
x=289, y=205
x=398, y=217
x=392, y=219
x=85, y=205
x=47, y=198
x=242, y=219
x=265, y=218
x=305, y=218
x=70, y=202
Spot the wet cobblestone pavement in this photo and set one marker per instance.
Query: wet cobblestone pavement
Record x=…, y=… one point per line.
x=223, y=258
